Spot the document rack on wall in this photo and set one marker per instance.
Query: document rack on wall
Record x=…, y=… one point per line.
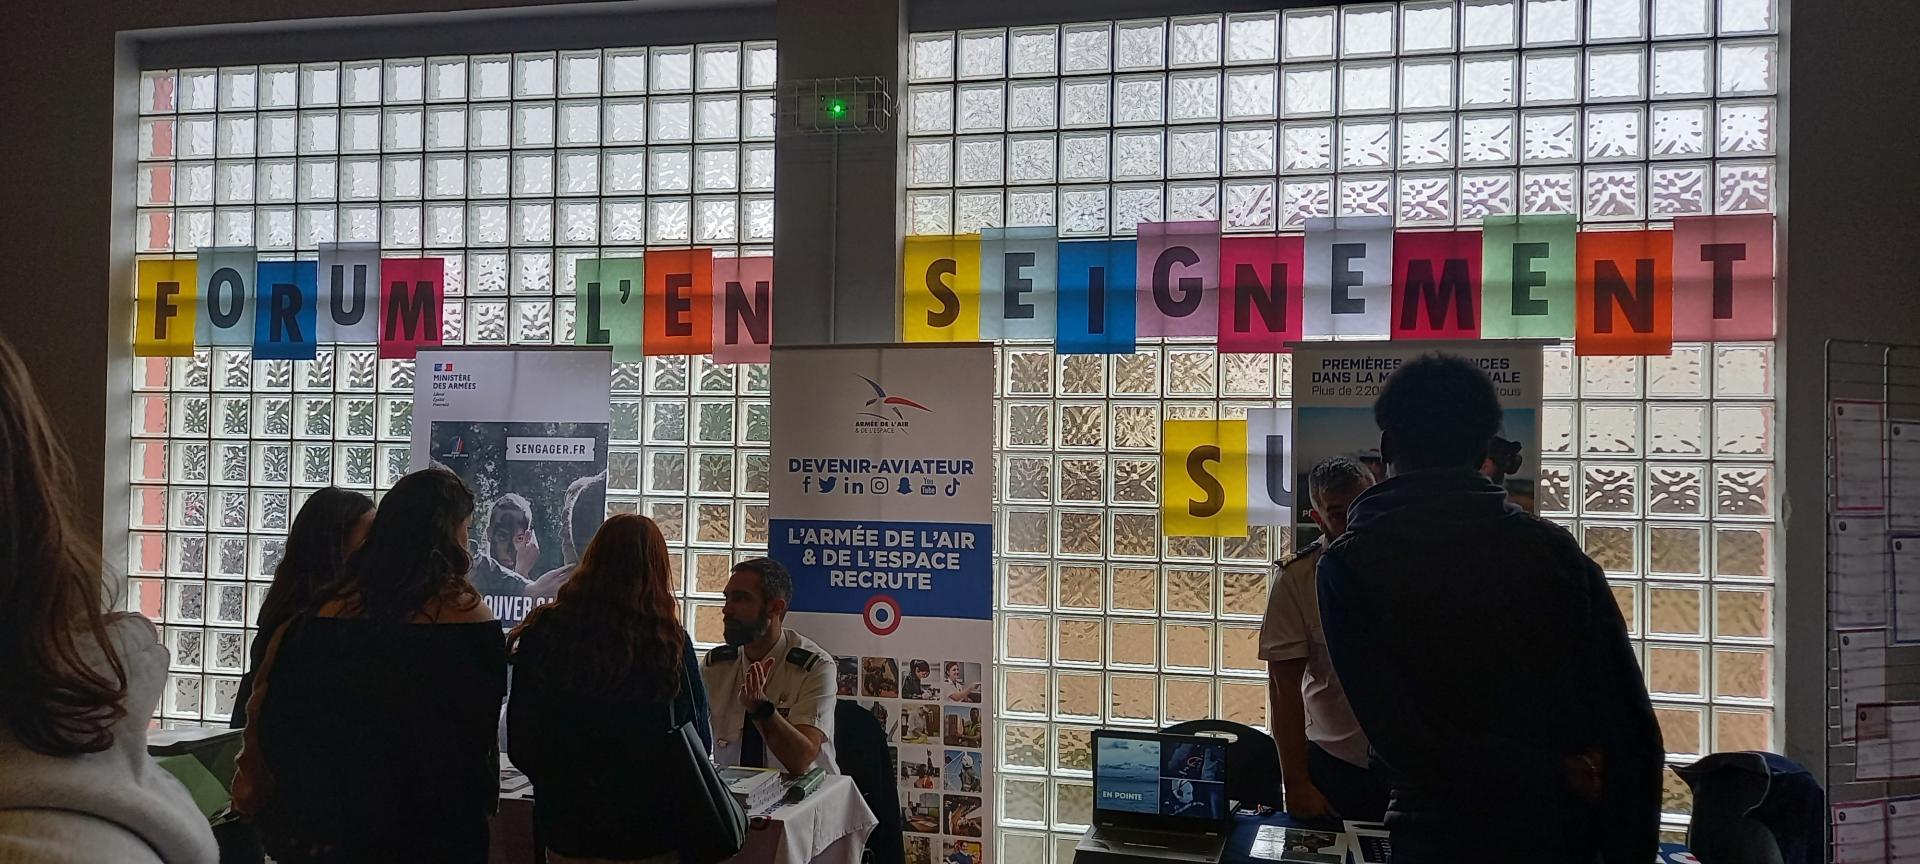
x=1873, y=645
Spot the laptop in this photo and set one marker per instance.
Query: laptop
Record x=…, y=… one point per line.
x=1159, y=796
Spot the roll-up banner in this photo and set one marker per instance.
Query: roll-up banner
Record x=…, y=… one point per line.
x=1335, y=384
x=527, y=430
x=882, y=508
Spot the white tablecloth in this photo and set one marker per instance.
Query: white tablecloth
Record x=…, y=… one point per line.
x=830, y=827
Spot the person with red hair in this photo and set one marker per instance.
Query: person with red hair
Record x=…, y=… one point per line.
x=595, y=670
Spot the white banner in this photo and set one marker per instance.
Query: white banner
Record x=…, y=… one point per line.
x=1335, y=384
x=882, y=508
x=527, y=430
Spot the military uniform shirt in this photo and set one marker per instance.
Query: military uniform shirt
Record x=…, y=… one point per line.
x=1291, y=631
x=800, y=684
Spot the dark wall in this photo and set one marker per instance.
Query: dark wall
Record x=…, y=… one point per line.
x=1851, y=257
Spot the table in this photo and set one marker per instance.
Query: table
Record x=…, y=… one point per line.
x=829, y=827
x=1247, y=825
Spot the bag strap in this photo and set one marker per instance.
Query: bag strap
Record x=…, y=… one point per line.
x=252, y=781
x=682, y=704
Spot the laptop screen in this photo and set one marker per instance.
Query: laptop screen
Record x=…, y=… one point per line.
x=1149, y=779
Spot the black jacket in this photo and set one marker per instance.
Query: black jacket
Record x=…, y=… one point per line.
x=860, y=746
x=594, y=758
x=1480, y=648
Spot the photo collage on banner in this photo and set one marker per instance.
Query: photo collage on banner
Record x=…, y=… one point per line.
x=527, y=429
x=1334, y=387
x=882, y=508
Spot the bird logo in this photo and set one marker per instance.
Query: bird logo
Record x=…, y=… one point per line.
x=883, y=402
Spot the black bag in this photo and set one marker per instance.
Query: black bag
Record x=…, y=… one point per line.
x=712, y=824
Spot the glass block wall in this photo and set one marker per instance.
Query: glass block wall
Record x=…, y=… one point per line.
x=512, y=168
x=1621, y=112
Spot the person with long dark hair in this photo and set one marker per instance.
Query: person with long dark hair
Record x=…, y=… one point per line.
x=600, y=675
x=331, y=525
x=79, y=682
x=374, y=724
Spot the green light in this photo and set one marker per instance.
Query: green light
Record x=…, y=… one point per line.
x=837, y=108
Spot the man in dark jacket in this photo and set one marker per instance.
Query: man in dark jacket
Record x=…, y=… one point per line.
x=1482, y=651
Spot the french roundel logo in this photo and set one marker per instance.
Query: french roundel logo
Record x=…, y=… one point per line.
x=882, y=615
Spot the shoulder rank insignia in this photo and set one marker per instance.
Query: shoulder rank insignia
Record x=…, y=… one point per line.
x=1311, y=548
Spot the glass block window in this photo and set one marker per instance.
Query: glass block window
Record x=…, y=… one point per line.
x=512, y=167
x=1437, y=113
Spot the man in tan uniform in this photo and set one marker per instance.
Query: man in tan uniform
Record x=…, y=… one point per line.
x=1323, y=753
x=772, y=689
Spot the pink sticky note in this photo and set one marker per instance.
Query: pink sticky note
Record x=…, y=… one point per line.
x=1178, y=274
x=1723, y=277
x=742, y=310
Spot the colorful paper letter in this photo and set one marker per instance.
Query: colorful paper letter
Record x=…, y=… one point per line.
x=1096, y=297
x=1349, y=277
x=743, y=310
x=1269, y=466
x=1178, y=279
x=1528, y=290
x=411, y=290
x=610, y=307
x=1204, y=463
x=679, y=306
x=166, y=294
x=349, y=292
x=1723, y=277
x=285, y=311
x=1626, y=293
x=1436, y=285
x=1260, y=296
x=226, y=295
x=940, y=289
x=1019, y=283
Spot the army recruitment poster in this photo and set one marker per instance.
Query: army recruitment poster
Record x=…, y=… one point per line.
x=527, y=430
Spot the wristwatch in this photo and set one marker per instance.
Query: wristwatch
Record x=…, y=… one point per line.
x=760, y=711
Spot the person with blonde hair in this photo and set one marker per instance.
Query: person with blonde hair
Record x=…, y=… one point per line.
x=80, y=682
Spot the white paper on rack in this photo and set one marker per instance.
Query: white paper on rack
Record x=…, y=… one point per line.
x=1857, y=571
x=1873, y=741
x=1863, y=674
x=1887, y=741
x=1904, y=722
x=1860, y=832
x=1903, y=829
x=1904, y=562
x=1859, y=455
x=1903, y=474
